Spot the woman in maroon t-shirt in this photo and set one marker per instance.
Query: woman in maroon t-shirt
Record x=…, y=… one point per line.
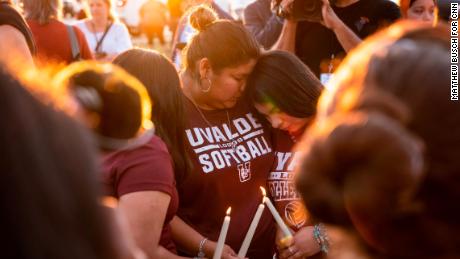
x=230, y=147
x=137, y=167
x=286, y=92
x=160, y=78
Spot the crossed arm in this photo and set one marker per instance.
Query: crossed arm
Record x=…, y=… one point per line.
x=145, y=212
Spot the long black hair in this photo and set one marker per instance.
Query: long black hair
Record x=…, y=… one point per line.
x=160, y=78
x=281, y=79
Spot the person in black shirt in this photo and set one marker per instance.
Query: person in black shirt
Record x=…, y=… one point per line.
x=321, y=46
x=15, y=36
x=444, y=9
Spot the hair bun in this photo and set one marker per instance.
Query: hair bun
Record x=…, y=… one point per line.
x=362, y=169
x=201, y=17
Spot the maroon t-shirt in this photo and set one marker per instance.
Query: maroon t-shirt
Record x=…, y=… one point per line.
x=281, y=182
x=146, y=168
x=53, y=42
x=224, y=176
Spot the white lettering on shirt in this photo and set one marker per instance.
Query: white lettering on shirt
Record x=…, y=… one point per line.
x=222, y=146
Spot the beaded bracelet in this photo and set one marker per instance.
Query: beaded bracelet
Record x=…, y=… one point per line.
x=201, y=253
x=320, y=235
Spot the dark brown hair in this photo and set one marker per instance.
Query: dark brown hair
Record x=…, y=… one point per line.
x=118, y=100
x=379, y=159
x=119, y=111
x=160, y=78
x=49, y=194
x=224, y=43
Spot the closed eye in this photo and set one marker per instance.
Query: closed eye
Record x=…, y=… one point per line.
x=239, y=79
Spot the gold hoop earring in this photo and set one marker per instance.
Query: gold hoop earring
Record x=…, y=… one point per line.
x=209, y=88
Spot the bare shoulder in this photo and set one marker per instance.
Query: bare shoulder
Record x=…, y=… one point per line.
x=14, y=46
x=10, y=31
x=10, y=36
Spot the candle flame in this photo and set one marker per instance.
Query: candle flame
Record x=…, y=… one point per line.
x=264, y=193
x=229, y=210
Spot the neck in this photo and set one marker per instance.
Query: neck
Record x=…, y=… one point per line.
x=295, y=135
x=345, y=3
x=192, y=91
x=99, y=22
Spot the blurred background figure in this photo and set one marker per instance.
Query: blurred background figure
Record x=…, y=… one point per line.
x=323, y=32
x=175, y=13
x=71, y=8
x=185, y=32
x=106, y=36
x=420, y=10
x=17, y=42
x=79, y=10
x=378, y=160
x=50, y=194
x=153, y=18
x=234, y=8
x=43, y=17
x=262, y=21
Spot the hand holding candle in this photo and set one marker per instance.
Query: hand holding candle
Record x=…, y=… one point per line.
x=222, y=236
x=278, y=219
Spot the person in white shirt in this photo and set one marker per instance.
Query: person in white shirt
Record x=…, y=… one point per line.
x=106, y=36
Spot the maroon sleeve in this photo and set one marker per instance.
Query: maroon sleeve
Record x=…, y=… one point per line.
x=84, y=49
x=147, y=169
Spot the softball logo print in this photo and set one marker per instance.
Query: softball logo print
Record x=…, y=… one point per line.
x=244, y=171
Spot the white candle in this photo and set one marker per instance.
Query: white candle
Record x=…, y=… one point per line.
x=252, y=228
x=276, y=215
x=222, y=236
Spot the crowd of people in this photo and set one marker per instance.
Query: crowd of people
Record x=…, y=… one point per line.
x=343, y=115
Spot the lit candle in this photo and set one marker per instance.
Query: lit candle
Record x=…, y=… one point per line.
x=222, y=236
x=276, y=215
x=252, y=229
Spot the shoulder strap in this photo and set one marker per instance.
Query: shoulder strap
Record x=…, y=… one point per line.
x=99, y=43
x=73, y=43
